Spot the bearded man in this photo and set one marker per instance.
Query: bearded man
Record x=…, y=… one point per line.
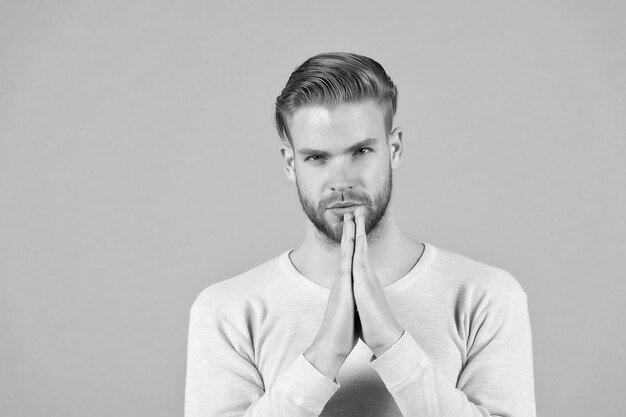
x=360, y=319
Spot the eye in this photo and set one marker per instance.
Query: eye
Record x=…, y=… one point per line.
x=368, y=150
x=313, y=157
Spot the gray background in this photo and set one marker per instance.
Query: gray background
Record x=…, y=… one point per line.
x=138, y=165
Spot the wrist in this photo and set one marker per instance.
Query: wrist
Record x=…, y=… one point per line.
x=324, y=360
x=379, y=350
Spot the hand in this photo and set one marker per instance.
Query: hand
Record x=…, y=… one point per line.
x=378, y=328
x=337, y=335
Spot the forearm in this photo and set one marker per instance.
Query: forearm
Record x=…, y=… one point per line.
x=222, y=378
x=420, y=389
x=300, y=391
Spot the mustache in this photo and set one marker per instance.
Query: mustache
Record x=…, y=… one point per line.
x=347, y=196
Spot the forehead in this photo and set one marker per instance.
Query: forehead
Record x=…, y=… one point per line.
x=334, y=127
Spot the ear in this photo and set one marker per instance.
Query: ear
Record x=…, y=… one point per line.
x=289, y=160
x=395, y=147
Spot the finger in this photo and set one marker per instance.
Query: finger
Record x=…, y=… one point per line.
x=350, y=236
x=343, y=233
x=347, y=242
x=361, y=228
x=361, y=262
x=351, y=244
x=360, y=239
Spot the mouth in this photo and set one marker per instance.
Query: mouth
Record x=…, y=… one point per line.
x=345, y=204
x=340, y=210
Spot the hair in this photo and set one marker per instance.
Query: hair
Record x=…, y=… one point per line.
x=333, y=78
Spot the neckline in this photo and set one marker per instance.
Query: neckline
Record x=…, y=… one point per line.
x=422, y=265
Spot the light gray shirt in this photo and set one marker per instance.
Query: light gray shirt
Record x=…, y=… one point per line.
x=466, y=348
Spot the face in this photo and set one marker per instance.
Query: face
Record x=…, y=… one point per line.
x=341, y=155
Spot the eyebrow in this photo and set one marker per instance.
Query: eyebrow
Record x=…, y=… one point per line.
x=352, y=148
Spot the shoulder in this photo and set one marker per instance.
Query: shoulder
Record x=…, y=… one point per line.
x=238, y=290
x=475, y=279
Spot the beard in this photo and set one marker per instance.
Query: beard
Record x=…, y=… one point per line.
x=331, y=232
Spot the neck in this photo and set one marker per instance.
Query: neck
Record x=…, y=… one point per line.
x=387, y=247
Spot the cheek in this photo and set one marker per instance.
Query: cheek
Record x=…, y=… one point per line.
x=309, y=183
x=375, y=173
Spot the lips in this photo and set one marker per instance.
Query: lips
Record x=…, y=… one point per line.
x=343, y=205
x=339, y=212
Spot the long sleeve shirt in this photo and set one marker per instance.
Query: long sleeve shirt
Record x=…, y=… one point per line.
x=466, y=349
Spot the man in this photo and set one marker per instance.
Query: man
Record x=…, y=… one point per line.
x=360, y=319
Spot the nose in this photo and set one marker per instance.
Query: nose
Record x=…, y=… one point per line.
x=340, y=187
x=342, y=178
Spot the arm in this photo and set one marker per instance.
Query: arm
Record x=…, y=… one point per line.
x=222, y=379
x=497, y=379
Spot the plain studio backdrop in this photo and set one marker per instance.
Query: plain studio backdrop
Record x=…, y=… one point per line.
x=139, y=164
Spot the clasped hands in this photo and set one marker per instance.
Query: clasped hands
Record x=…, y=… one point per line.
x=374, y=320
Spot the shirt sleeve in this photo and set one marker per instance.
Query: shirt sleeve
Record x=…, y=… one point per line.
x=222, y=378
x=497, y=379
